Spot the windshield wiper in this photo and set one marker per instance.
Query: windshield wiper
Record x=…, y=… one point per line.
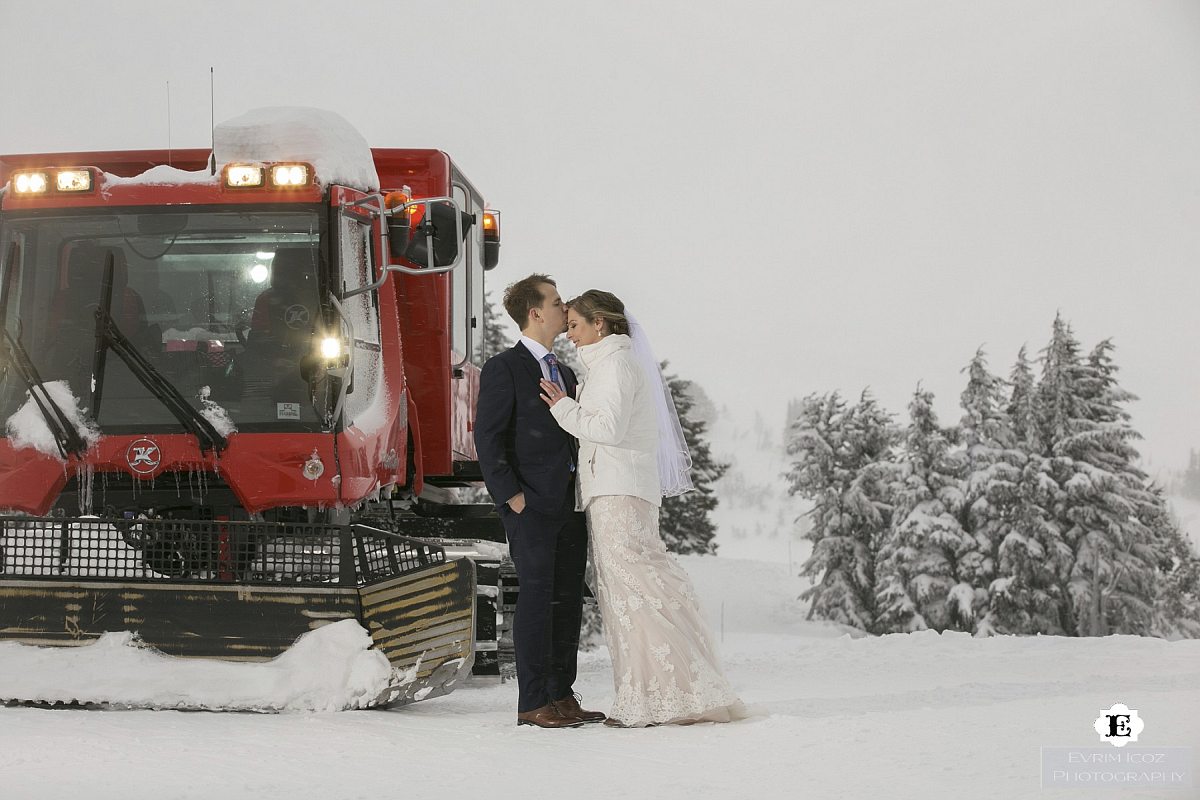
x=66, y=435
x=109, y=336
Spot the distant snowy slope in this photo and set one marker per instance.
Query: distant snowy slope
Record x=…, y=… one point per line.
x=756, y=517
x=1187, y=511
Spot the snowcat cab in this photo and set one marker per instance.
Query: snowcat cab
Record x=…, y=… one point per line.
x=233, y=393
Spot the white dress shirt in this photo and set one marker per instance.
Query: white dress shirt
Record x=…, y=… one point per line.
x=540, y=352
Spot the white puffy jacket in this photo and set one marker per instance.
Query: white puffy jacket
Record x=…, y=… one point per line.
x=616, y=424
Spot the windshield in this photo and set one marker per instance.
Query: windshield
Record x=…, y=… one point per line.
x=224, y=304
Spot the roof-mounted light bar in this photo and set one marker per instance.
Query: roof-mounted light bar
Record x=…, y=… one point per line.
x=29, y=182
x=243, y=176
x=290, y=175
x=278, y=176
x=73, y=180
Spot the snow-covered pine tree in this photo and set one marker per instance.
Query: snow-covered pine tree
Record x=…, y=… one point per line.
x=1025, y=595
x=1190, y=483
x=1060, y=413
x=686, y=521
x=1108, y=583
x=1177, y=600
x=1116, y=553
x=567, y=354
x=841, y=464
x=495, y=338
x=1022, y=405
x=921, y=581
x=992, y=474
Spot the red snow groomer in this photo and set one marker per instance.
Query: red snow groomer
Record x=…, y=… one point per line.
x=236, y=388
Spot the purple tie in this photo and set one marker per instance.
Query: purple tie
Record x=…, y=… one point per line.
x=555, y=376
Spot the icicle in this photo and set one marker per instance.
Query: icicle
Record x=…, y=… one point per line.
x=84, y=476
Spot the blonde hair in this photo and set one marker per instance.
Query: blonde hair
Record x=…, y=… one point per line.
x=597, y=304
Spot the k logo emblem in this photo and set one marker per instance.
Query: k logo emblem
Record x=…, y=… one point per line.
x=143, y=456
x=296, y=316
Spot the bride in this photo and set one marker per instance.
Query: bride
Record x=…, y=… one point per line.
x=665, y=667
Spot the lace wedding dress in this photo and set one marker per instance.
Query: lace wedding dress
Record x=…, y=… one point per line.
x=664, y=663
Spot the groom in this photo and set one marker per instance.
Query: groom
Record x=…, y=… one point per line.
x=528, y=464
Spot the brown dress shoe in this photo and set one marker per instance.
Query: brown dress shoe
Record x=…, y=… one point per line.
x=547, y=717
x=569, y=707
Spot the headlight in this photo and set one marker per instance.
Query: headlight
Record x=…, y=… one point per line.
x=73, y=180
x=289, y=175
x=30, y=182
x=331, y=348
x=242, y=176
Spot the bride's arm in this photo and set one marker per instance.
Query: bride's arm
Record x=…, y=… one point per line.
x=610, y=393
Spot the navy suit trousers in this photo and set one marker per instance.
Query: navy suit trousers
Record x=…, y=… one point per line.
x=549, y=552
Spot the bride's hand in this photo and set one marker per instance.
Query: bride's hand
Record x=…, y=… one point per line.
x=551, y=392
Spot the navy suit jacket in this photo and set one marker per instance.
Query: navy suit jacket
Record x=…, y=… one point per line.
x=521, y=448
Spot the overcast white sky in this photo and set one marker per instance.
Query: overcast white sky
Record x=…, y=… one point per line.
x=795, y=196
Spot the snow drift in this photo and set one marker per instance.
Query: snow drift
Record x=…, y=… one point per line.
x=328, y=669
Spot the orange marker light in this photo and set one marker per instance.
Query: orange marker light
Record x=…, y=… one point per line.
x=491, y=223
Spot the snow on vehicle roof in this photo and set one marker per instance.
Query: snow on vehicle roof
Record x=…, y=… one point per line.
x=337, y=151
x=160, y=176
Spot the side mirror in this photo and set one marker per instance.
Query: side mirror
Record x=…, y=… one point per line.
x=436, y=227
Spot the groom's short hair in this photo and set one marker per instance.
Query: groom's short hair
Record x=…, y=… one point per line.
x=525, y=295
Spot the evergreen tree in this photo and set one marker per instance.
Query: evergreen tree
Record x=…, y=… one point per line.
x=992, y=475
x=1177, y=601
x=1025, y=595
x=1108, y=504
x=685, y=521
x=1190, y=486
x=495, y=338
x=1101, y=500
x=841, y=465
x=567, y=354
x=1022, y=405
x=1060, y=415
x=924, y=557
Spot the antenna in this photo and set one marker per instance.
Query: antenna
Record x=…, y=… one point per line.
x=212, y=122
x=168, y=123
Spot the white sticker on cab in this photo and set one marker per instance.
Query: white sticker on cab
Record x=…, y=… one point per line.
x=287, y=411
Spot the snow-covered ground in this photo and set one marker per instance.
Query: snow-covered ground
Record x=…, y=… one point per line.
x=840, y=715
x=921, y=716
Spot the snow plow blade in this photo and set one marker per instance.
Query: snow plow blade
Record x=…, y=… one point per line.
x=239, y=591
